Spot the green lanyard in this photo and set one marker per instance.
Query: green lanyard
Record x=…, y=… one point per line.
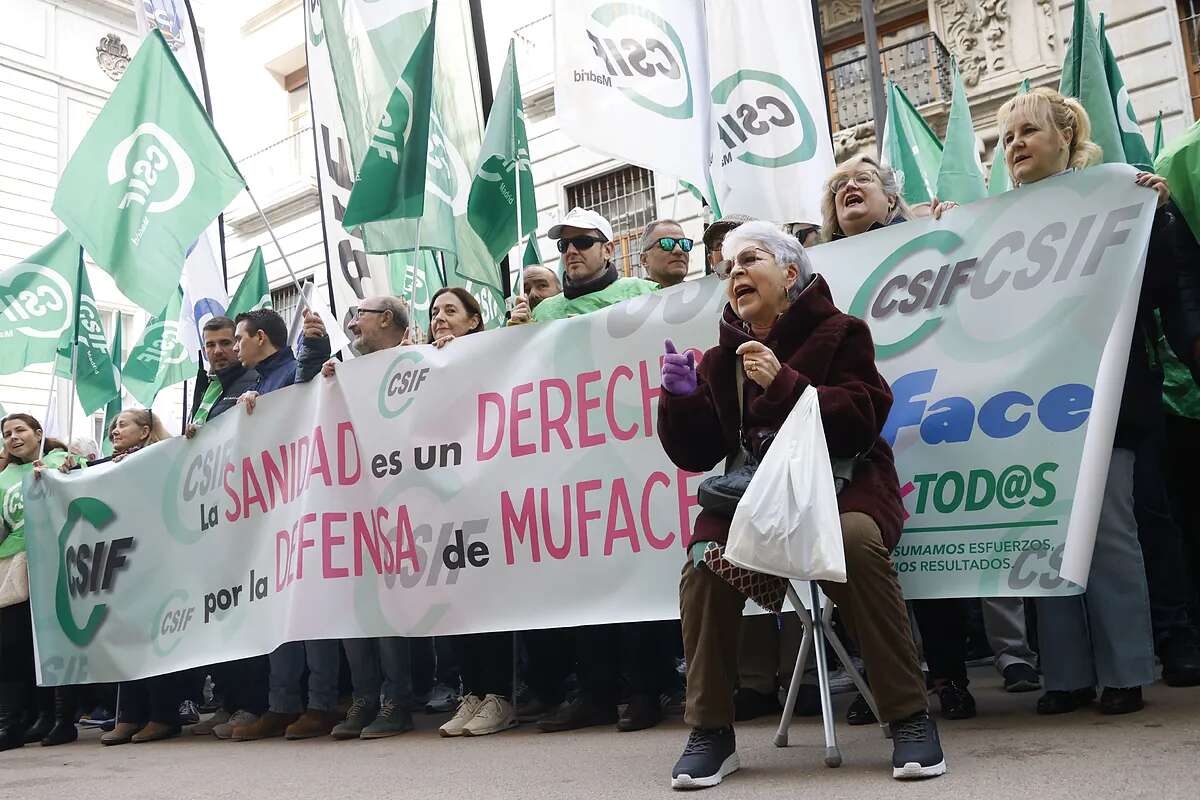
x=211, y=395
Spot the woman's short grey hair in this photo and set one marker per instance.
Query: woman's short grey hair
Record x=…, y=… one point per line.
x=891, y=179
x=785, y=247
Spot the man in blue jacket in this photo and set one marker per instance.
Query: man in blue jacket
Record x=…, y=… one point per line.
x=262, y=346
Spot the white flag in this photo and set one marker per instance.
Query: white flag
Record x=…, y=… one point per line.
x=631, y=81
x=771, y=150
x=315, y=299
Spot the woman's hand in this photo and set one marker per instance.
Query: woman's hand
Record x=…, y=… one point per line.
x=69, y=463
x=441, y=342
x=939, y=207
x=760, y=363
x=1156, y=182
x=678, y=371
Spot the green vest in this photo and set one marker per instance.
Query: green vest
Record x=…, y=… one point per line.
x=12, y=503
x=559, y=307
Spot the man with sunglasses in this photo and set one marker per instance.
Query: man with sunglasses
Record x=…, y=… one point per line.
x=665, y=252
x=590, y=279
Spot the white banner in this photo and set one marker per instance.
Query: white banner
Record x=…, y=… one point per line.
x=514, y=479
x=631, y=82
x=771, y=149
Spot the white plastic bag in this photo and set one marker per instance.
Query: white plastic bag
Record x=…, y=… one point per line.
x=787, y=523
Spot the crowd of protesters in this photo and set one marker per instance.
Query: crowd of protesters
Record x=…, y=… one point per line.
x=779, y=333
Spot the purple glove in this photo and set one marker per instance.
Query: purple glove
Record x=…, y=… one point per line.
x=678, y=371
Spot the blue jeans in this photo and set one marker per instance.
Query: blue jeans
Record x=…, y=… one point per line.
x=394, y=680
x=287, y=667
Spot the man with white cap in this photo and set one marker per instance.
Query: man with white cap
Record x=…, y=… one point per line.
x=590, y=279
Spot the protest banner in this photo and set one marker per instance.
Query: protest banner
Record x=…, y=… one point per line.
x=514, y=480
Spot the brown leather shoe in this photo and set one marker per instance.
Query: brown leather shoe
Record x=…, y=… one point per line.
x=121, y=734
x=268, y=726
x=155, y=732
x=312, y=724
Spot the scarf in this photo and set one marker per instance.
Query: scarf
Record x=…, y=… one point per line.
x=602, y=281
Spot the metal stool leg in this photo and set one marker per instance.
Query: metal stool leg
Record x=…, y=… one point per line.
x=861, y=684
x=833, y=756
x=781, y=735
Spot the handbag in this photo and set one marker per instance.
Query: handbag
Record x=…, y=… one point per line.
x=720, y=494
x=788, y=523
x=14, y=580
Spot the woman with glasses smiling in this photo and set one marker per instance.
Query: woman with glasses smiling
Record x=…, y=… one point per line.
x=779, y=334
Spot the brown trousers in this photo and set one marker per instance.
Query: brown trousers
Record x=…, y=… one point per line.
x=871, y=605
x=767, y=652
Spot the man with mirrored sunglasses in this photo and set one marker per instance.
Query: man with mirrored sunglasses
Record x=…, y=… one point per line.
x=666, y=252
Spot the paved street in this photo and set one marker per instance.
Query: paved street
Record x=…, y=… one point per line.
x=1007, y=752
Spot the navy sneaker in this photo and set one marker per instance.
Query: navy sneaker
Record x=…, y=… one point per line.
x=710, y=755
x=916, y=748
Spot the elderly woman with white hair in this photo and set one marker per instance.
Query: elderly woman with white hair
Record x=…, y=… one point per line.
x=782, y=333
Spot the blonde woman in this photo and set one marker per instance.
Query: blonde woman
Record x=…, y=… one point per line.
x=1103, y=637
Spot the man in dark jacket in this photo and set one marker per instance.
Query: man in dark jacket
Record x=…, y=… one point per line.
x=226, y=378
x=262, y=345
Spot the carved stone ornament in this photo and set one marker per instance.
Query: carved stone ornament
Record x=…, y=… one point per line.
x=1047, y=22
x=977, y=33
x=113, y=56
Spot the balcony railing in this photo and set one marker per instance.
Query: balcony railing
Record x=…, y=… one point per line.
x=281, y=164
x=920, y=66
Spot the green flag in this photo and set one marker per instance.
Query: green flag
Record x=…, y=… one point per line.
x=391, y=177
x=910, y=147
x=37, y=304
x=253, y=292
x=114, y=406
x=531, y=255
x=1085, y=78
x=148, y=177
x=1179, y=163
x=159, y=359
x=998, y=180
x=1158, y=137
x=492, y=205
x=94, y=384
x=1132, y=141
x=416, y=279
x=960, y=176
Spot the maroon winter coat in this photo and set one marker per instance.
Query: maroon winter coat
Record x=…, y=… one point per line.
x=816, y=344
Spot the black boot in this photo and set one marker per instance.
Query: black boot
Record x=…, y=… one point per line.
x=64, y=730
x=44, y=701
x=12, y=715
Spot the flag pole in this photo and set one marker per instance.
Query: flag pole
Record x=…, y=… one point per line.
x=412, y=302
x=75, y=347
x=46, y=418
x=270, y=230
x=517, y=178
x=675, y=199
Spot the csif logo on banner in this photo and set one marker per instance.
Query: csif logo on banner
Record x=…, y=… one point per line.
x=87, y=568
x=761, y=120
x=36, y=302
x=403, y=379
x=163, y=345
x=642, y=56
x=142, y=160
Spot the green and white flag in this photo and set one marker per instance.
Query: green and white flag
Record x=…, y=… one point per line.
x=416, y=279
x=531, y=255
x=1133, y=142
x=254, y=291
x=93, y=369
x=37, y=304
x=391, y=176
x=1158, y=137
x=960, y=176
x=148, y=177
x=998, y=179
x=159, y=359
x=1179, y=163
x=492, y=206
x=1085, y=78
x=910, y=147
x=115, y=406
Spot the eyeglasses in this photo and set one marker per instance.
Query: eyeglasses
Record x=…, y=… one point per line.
x=581, y=243
x=667, y=244
x=745, y=259
x=862, y=180
x=358, y=312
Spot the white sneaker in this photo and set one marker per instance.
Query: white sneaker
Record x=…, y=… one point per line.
x=467, y=706
x=494, y=715
x=239, y=718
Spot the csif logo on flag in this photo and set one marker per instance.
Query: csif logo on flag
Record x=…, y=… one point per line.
x=144, y=160
x=446, y=176
x=91, y=331
x=11, y=506
x=37, y=301
x=163, y=346
x=497, y=168
x=761, y=120
x=640, y=54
